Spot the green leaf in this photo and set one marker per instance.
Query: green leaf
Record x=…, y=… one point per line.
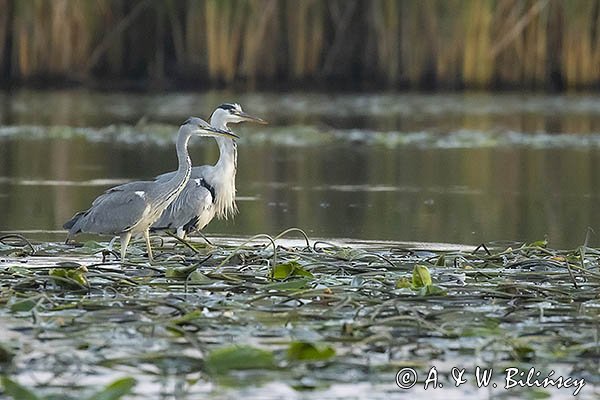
x=420, y=276
x=198, y=277
x=441, y=261
x=536, y=393
x=196, y=314
x=77, y=276
x=432, y=290
x=115, y=390
x=239, y=357
x=17, y=270
x=540, y=243
x=91, y=244
x=304, y=351
x=16, y=391
x=403, y=283
x=180, y=272
x=24, y=305
x=346, y=253
x=522, y=351
x=292, y=268
x=295, y=284
x=6, y=354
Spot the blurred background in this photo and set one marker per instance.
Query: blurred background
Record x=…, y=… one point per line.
x=429, y=44
x=416, y=120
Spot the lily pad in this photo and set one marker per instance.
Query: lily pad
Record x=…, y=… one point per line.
x=304, y=351
x=115, y=390
x=292, y=268
x=239, y=357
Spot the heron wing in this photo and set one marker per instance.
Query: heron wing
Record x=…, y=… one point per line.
x=200, y=171
x=197, y=172
x=114, y=212
x=191, y=203
x=165, y=177
x=131, y=187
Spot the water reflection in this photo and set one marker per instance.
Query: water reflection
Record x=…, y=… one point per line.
x=330, y=188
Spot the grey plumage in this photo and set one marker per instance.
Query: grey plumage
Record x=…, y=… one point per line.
x=210, y=191
x=133, y=207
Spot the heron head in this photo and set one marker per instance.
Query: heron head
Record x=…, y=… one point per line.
x=200, y=127
x=232, y=113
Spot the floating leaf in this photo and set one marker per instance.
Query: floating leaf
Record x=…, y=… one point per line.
x=540, y=243
x=539, y=394
x=522, y=351
x=92, y=244
x=304, y=351
x=432, y=290
x=24, y=305
x=71, y=278
x=6, y=355
x=347, y=253
x=292, y=268
x=239, y=357
x=295, y=284
x=180, y=272
x=403, y=283
x=198, y=277
x=420, y=276
x=17, y=270
x=16, y=391
x=115, y=390
x=196, y=314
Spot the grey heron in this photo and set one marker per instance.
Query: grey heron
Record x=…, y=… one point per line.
x=131, y=208
x=210, y=191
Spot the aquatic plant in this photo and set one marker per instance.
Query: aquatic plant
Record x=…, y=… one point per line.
x=231, y=317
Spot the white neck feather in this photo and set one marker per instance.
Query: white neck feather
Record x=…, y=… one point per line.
x=223, y=172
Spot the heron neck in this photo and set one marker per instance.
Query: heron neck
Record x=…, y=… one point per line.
x=183, y=158
x=227, y=155
x=175, y=185
x=227, y=162
x=222, y=175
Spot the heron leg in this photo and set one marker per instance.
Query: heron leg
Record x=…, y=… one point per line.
x=204, y=237
x=111, y=244
x=147, y=237
x=125, y=238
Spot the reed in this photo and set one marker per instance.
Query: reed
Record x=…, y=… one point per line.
x=5, y=19
x=397, y=43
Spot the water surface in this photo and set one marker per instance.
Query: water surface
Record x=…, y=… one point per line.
x=461, y=168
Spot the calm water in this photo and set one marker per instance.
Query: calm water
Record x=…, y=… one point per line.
x=463, y=168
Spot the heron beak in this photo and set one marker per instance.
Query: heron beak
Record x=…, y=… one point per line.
x=219, y=132
x=250, y=118
x=229, y=134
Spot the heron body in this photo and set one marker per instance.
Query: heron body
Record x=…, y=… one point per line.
x=211, y=189
x=131, y=208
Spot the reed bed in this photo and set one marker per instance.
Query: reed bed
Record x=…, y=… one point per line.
x=383, y=43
